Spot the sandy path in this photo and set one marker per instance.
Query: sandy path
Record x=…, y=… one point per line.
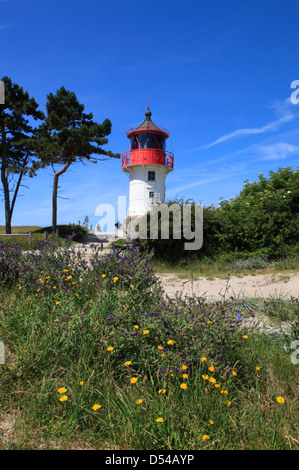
x=260, y=285
x=265, y=286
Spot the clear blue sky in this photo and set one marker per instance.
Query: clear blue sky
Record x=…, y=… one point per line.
x=218, y=74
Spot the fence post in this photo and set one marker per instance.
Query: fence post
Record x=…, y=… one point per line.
x=46, y=235
x=29, y=238
x=57, y=232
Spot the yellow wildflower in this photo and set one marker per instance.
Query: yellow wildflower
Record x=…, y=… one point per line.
x=61, y=390
x=212, y=369
x=63, y=398
x=184, y=386
x=145, y=332
x=162, y=390
x=139, y=401
x=133, y=380
x=203, y=359
x=280, y=400
x=159, y=420
x=96, y=407
x=110, y=348
x=205, y=437
x=128, y=363
x=170, y=342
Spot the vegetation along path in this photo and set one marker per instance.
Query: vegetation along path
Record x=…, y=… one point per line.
x=259, y=285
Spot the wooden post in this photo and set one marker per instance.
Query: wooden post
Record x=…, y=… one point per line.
x=57, y=232
x=30, y=238
x=46, y=235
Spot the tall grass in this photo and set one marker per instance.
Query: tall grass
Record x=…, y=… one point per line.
x=96, y=354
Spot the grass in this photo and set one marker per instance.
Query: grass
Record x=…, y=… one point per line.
x=38, y=234
x=76, y=334
x=222, y=269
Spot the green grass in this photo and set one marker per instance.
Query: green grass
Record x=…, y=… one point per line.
x=59, y=317
x=38, y=234
x=222, y=268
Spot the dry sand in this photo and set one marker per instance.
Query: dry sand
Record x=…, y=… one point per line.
x=260, y=285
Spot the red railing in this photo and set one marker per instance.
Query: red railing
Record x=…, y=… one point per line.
x=147, y=156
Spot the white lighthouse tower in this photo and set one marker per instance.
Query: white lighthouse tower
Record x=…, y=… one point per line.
x=147, y=164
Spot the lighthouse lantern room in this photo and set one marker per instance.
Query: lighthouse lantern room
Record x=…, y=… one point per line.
x=147, y=164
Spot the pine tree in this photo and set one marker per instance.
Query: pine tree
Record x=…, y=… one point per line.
x=17, y=141
x=68, y=135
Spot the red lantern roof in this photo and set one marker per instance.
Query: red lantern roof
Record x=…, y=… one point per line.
x=148, y=126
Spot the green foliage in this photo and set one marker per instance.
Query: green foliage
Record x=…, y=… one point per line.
x=76, y=333
x=69, y=135
x=17, y=142
x=264, y=218
x=77, y=232
x=261, y=223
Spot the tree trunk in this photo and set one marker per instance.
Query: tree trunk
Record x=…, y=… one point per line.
x=5, y=186
x=55, y=191
x=18, y=185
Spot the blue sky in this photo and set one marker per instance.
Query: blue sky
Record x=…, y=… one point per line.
x=218, y=74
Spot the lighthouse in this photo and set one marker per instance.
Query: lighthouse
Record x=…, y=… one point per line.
x=147, y=164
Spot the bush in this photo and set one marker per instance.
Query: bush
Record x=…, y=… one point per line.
x=260, y=224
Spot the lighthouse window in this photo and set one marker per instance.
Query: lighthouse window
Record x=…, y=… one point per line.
x=151, y=194
x=148, y=141
x=134, y=143
x=151, y=176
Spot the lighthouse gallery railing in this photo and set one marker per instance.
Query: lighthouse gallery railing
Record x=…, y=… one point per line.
x=147, y=156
